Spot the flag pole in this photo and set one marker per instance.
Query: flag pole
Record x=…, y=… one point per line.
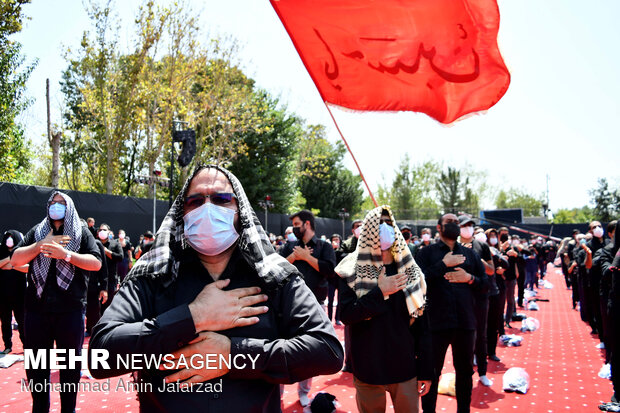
x=352, y=156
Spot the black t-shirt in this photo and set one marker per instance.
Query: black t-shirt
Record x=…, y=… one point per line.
x=128, y=247
x=54, y=299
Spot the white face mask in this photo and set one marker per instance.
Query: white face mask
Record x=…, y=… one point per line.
x=467, y=232
x=481, y=236
x=598, y=232
x=121, y=236
x=493, y=241
x=291, y=237
x=356, y=232
x=210, y=229
x=426, y=237
x=387, y=236
x=103, y=235
x=9, y=242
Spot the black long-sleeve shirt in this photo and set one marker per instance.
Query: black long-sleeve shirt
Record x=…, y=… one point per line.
x=117, y=256
x=385, y=349
x=294, y=339
x=54, y=299
x=324, y=253
x=450, y=305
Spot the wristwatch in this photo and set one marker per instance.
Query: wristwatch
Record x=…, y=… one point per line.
x=68, y=257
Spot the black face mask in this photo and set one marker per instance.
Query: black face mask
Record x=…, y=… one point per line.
x=503, y=237
x=406, y=235
x=298, y=233
x=451, y=231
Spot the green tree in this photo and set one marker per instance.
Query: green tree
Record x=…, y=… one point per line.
x=455, y=192
x=606, y=201
x=14, y=148
x=573, y=216
x=268, y=165
x=323, y=181
x=516, y=198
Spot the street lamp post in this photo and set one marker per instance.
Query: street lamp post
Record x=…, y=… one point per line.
x=343, y=214
x=153, y=180
x=266, y=204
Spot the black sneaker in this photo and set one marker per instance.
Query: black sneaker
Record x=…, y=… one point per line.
x=7, y=350
x=494, y=358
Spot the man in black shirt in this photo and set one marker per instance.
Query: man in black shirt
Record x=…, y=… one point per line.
x=382, y=297
x=481, y=308
x=113, y=255
x=350, y=244
x=453, y=274
x=125, y=265
x=315, y=259
x=213, y=285
x=59, y=249
x=12, y=289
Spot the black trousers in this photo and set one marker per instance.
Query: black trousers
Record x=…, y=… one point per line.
x=520, y=288
x=41, y=331
x=93, y=309
x=495, y=322
x=331, y=293
x=12, y=303
x=481, y=310
x=462, y=342
x=614, y=318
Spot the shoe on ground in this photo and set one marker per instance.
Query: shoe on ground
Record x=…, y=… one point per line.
x=486, y=381
x=494, y=358
x=6, y=350
x=338, y=322
x=601, y=346
x=304, y=400
x=475, y=361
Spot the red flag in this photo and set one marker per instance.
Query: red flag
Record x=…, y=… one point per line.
x=439, y=57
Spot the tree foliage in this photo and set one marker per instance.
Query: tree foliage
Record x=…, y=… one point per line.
x=323, y=181
x=606, y=201
x=516, y=198
x=456, y=193
x=573, y=216
x=14, y=148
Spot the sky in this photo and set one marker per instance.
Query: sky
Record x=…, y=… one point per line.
x=558, y=118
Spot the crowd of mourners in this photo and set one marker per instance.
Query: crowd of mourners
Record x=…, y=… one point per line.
x=211, y=281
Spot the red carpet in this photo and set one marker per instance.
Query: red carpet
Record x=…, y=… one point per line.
x=560, y=357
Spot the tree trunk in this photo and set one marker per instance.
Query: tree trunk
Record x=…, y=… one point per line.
x=55, y=158
x=54, y=140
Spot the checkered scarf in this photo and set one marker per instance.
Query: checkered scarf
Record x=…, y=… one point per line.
x=71, y=227
x=163, y=259
x=361, y=268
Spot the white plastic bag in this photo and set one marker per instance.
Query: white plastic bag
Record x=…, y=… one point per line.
x=605, y=371
x=530, y=324
x=532, y=306
x=8, y=360
x=529, y=294
x=516, y=379
x=511, y=340
x=545, y=284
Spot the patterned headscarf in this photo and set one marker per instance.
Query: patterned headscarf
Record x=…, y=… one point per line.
x=71, y=227
x=361, y=268
x=163, y=259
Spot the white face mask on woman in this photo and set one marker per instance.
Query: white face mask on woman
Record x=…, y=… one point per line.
x=210, y=229
x=598, y=232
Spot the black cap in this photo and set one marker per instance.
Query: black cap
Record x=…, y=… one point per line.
x=465, y=219
x=405, y=228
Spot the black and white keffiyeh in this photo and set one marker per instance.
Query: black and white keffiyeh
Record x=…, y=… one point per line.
x=163, y=259
x=73, y=228
x=361, y=268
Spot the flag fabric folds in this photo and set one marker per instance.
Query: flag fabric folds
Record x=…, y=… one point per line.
x=439, y=57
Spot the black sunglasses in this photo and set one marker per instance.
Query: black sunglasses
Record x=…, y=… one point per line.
x=218, y=198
